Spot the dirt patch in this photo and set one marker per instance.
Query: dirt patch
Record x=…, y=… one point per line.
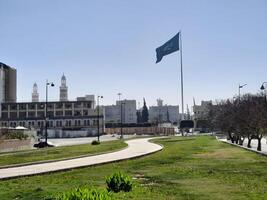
x=219, y=154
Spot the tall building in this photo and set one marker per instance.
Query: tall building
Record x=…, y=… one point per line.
x=163, y=113
x=35, y=94
x=63, y=96
x=201, y=111
x=8, y=83
x=125, y=107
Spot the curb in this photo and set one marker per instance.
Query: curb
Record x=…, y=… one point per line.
x=243, y=147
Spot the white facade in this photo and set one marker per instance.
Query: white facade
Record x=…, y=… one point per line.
x=35, y=94
x=163, y=113
x=63, y=89
x=125, y=107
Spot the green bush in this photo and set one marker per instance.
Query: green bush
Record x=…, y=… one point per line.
x=85, y=194
x=119, y=182
x=95, y=142
x=16, y=135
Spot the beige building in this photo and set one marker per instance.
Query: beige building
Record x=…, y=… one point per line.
x=125, y=109
x=8, y=83
x=201, y=111
x=71, y=115
x=35, y=94
x=63, y=89
x=163, y=113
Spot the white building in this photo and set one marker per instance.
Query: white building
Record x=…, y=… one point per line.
x=125, y=107
x=63, y=89
x=35, y=94
x=163, y=113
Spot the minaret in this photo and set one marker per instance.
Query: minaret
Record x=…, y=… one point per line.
x=35, y=94
x=63, y=94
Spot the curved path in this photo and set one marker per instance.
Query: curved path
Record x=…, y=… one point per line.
x=136, y=148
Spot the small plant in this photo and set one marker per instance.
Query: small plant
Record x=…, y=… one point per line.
x=95, y=142
x=85, y=194
x=119, y=182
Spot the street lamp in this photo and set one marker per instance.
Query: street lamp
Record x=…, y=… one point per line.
x=98, y=135
x=239, y=87
x=264, y=88
x=46, y=102
x=119, y=94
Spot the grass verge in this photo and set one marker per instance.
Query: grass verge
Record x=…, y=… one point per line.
x=193, y=168
x=58, y=153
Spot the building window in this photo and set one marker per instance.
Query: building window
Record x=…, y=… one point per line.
x=68, y=113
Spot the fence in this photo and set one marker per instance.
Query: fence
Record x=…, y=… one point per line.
x=142, y=130
x=15, y=145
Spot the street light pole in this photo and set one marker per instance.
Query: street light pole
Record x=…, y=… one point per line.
x=239, y=87
x=119, y=94
x=46, y=103
x=264, y=88
x=98, y=134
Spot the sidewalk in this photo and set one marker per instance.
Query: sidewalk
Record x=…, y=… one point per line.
x=136, y=148
x=254, y=144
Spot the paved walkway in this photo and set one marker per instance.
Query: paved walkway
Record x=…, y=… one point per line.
x=84, y=140
x=136, y=148
x=254, y=145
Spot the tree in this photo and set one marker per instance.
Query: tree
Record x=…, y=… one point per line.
x=168, y=116
x=245, y=117
x=145, y=113
x=139, y=116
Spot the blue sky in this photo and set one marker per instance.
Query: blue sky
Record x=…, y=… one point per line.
x=105, y=47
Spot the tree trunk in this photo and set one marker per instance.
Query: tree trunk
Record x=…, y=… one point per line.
x=241, y=140
x=259, y=142
x=249, y=142
x=236, y=139
x=231, y=137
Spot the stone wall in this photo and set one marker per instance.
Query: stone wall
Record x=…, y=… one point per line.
x=15, y=145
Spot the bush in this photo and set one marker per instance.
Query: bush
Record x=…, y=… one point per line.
x=95, y=142
x=119, y=182
x=16, y=135
x=85, y=194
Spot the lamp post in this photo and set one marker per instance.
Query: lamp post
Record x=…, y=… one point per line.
x=264, y=88
x=119, y=94
x=46, y=102
x=98, y=134
x=239, y=87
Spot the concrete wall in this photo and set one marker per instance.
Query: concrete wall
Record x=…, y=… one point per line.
x=15, y=145
x=58, y=133
x=142, y=130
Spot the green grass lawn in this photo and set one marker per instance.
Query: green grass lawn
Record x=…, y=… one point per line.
x=187, y=168
x=55, y=153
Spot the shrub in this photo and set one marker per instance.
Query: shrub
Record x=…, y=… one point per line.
x=95, y=142
x=85, y=194
x=16, y=135
x=119, y=182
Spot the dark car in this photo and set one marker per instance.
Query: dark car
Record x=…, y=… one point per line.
x=42, y=145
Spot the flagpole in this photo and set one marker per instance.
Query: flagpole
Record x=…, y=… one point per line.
x=182, y=81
